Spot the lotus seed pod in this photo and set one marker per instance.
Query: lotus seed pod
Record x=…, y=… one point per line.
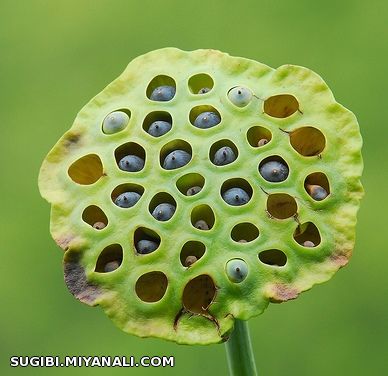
x=317, y=192
x=206, y=119
x=193, y=190
x=274, y=171
x=146, y=246
x=236, y=270
x=240, y=96
x=159, y=128
x=136, y=269
x=236, y=197
x=115, y=122
x=163, y=93
x=163, y=212
x=127, y=199
x=176, y=159
x=131, y=163
x=224, y=156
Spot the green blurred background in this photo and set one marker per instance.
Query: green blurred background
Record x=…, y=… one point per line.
x=56, y=55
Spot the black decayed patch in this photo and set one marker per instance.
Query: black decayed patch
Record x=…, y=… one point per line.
x=76, y=282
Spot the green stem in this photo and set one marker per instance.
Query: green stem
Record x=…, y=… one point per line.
x=239, y=353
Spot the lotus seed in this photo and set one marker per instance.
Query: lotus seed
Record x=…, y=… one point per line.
x=206, y=119
x=236, y=196
x=131, y=163
x=240, y=96
x=308, y=243
x=201, y=225
x=111, y=266
x=242, y=241
x=163, y=212
x=146, y=246
x=224, y=156
x=274, y=171
x=204, y=90
x=163, y=93
x=317, y=192
x=190, y=260
x=193, y=190
x=262, y=142
x=176, y=159
x=159, y=128
x=115, y=122
x=99, y=225
x=236, y=270
x=127, y=199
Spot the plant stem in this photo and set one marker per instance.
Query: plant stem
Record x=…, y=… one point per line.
x=239, y=353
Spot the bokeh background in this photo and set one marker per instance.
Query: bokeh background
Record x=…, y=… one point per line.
x=56, y=55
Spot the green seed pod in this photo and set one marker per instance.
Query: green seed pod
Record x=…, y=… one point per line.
x=136, y=269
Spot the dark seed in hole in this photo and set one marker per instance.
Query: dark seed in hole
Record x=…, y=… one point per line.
x=236, y=196
x=206, y=119
x=224, y=156
x=99, y=225
x=201, y=225
x=111, y=266
x=274, y=171
x=176, y=159
x=308, y=243
x=190, y=260
x=262, y=142
x=146, y=246
x=163, y=212
x=317, y=192
x=193, y=190
x=127, y=199
x=131, y=163
x=204, y=90
x=159, y=128
x=163, y=93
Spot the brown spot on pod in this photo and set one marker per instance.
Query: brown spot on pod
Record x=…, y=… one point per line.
x=281, y=293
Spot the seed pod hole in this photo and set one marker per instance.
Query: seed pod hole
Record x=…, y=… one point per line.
x=109, y=259
x=223, y=152
x=162, y=88
x=274, y=169
x=162, y=206
x=281, y=106
x=273, y=257
x=127, y=195
x=307, y=235
x=236, y=270
x=236, y=192
x=130, y=157
x=199, y=294
x=317, y=186
x=202, y=217
x=308, y=141
x=116, y=121
x=190, y=184
x=145, y=240
x=175, y=154
x=95, y=217
x=204, y=117
x=151, y=287
x=86, y=170
x=244, y=232
x=191, y=252
x=200, y=83
x=281, y=206
x=258, y=136
x=157, y=123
